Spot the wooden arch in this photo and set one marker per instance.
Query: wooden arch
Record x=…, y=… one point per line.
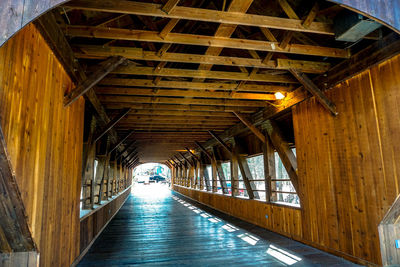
x=15, y=14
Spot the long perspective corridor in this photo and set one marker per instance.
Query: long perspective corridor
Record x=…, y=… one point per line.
x=156, y=227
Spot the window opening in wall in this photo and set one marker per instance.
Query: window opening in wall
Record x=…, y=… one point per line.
x=242, y=192
x=209, y=171
x=282, y=188
x=256, y=166
x=226, y=168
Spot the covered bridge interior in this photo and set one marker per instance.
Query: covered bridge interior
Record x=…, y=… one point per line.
x=281, y=113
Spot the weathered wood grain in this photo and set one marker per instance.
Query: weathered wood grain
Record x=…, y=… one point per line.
x=44, y=141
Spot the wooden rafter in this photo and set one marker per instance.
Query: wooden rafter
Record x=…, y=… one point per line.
x=196, y=85
x=315, y=91
x=105, y=68
x=183, y=93
x=249, y=125
x=220, y=171
x=121, y=141
x=182, y=101
x=111, y=124
x=204, y=150
x=232, y=17
x=100, y=52
x=169, y=6
x=203, y=40
x=132, y=69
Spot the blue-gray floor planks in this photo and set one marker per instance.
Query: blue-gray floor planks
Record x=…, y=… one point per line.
x=158, y=228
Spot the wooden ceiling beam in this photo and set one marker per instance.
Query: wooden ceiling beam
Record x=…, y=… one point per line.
x=183, y=93
x=225, y=30
x=207, y=15
x=182, y=101
x=187, y=106
x=100, y=52
x=172, y=113
x=102, y=70
x=133, y=69
x=176, y=122
x=166, y=117
x=196, y=85
x=202, y=40
x=169, y=6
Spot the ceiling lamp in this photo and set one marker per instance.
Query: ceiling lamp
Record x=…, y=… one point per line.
x=279, y=96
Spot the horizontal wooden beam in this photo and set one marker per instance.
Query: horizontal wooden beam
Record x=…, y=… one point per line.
x=182, y=101
x=100, y=52
x=102, y=70
x=188, y=106
x=140, y=118
x=186, y=121
x=172, y=125
x=172, y=113
x=132, y=69
x=207, y=15
x=224, y=86
x=183, y=93
x=202, y=40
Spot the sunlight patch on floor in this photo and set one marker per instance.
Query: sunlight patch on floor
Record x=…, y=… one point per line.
x=282, y=255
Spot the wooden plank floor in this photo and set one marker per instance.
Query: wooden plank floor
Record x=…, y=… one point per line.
x=158, y=228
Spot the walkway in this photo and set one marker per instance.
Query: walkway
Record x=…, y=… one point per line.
x=158, y=228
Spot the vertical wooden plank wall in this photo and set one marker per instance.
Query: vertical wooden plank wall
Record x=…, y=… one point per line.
x=349, y=165
x=280, y=219
x=44, y=140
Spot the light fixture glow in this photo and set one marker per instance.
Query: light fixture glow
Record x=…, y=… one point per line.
x=279, y=96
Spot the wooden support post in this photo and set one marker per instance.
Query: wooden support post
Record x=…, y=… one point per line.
x=269, y=169
x=219, y=140
x=15, y=233
x=245, y=171
x=111, y=124
x=221, y=175
x=249, y=125
x=285, y=153
x=314, y=90
x=234, y=176
x=199, y=176
x=204, y=172
x=204, y=150
x=214, y=175
x=106, y=67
